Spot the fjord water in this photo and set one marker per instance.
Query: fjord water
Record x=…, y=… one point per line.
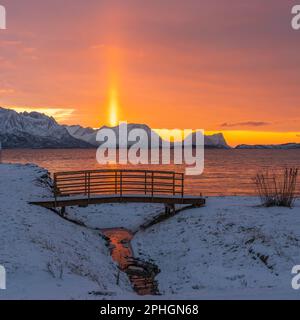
x=227, y=172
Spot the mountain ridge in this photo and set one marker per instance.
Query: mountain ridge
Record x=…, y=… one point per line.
x=37, y=130
x=34, y=130
x=284, y=146
x=216, y=141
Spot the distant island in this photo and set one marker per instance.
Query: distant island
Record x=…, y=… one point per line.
x=284, y=146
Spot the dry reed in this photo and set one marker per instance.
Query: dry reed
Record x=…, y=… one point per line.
x=277, y=189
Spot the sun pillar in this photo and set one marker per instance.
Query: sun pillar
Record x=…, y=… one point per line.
x=113, y=108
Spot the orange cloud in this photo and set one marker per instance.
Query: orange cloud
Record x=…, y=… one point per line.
x=60, y=114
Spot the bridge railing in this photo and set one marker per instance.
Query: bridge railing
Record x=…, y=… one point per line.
x=118, y=182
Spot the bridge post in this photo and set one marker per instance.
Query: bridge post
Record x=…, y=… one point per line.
x=63, y=211
x=89, y=186
x=170, y=208
x=174, y=181
x=121, y=184
x=55, y=189
x=85, y=183
x=152, y=184
x=116, y=182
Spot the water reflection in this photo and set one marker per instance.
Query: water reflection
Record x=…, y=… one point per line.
x=141, y=274
x=227, y=172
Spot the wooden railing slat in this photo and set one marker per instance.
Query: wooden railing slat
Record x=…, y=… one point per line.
x=118, y=182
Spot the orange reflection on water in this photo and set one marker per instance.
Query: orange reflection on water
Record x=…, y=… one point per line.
x=120, y=240
x=122, y=253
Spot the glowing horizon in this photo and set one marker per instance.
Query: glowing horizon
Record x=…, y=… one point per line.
x=232, y=137
x=237, y=137
x=105, y=61
x=59, y=114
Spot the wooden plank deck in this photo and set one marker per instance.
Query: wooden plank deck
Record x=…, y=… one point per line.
x=81, y=188
x=64, y=202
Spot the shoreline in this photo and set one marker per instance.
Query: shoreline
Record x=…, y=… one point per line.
x=231, y=248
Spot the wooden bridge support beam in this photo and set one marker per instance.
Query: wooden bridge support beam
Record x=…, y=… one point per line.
x=63, y=211
x=169, y=208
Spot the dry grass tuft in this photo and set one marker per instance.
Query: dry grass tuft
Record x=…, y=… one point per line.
x=277, y=189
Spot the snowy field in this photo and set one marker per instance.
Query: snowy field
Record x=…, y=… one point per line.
x=229, y=249
x=45, y=256
x=126, y=215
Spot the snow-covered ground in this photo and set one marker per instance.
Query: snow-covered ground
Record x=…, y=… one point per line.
x=230, y=249
x=44, y=255
x=126, y=215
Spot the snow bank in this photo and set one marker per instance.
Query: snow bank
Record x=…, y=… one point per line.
x=45, y=256
x=126, y=215
x=229, y=249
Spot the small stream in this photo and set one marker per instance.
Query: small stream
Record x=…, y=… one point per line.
x=141, y=273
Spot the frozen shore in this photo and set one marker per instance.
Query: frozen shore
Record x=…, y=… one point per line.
x=232, y=248
x=46, y=257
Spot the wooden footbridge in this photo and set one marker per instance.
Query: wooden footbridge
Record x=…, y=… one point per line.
x=82, y=188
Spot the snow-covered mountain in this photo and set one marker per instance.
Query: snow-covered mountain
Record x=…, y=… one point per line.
x=37, y=130
x=34, y=130
x=89, y=135
x=285, y=146
x=85, y=134
x=216, y=141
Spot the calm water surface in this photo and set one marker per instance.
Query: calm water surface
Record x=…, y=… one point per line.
x=227, y=172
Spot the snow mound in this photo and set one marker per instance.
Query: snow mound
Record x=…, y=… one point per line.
x=229, y=249
x=45, y=256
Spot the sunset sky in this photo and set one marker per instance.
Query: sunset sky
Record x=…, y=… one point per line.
x=221, y=65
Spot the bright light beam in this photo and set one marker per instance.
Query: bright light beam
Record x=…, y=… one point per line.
x=113, y=108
